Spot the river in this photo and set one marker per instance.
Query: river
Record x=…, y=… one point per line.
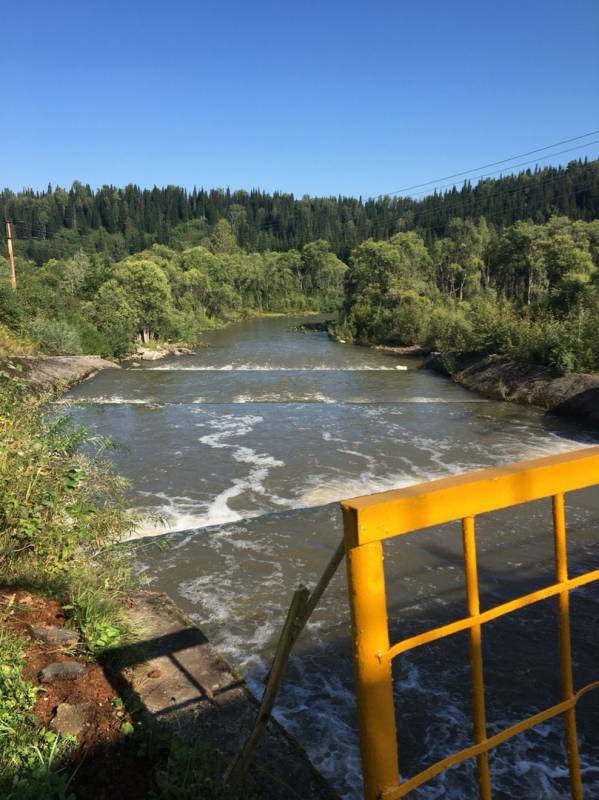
x=244, y=450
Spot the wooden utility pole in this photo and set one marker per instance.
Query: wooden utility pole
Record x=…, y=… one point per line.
x=11, y=257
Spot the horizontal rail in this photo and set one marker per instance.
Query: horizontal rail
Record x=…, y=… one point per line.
x=395, y=792
x=379, y=516
x=491, y=614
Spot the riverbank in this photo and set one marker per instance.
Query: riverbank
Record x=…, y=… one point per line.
x=152, y=718
x=53, y=373
x=502, y=378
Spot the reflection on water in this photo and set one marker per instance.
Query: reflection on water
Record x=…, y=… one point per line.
x=244, y=447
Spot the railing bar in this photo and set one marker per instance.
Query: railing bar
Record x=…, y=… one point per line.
x=374, y=681
x=476, y=656
x=395, y=792
x=492, y=613
x=565, y=646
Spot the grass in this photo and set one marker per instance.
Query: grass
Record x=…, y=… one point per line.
x=13, y=345
x=28, y=753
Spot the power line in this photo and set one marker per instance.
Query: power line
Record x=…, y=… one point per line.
x=459, y=204
x=485, y=166
x=440, y=201
x=429, y=192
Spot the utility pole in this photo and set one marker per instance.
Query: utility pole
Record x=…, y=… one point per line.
x=11, y=257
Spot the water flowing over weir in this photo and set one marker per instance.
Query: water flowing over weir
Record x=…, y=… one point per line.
x=245, y=450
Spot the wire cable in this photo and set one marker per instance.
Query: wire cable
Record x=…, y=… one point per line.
x=491, y=164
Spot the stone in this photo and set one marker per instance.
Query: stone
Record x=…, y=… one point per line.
x=62, y=671
x=69, y=720
x=55, y=635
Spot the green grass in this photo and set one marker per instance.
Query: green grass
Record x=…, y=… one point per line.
x=28, y=753
x=188, y=773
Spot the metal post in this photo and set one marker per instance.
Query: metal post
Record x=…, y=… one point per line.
x=565, y=648
x=374, y=687
x=476, y=656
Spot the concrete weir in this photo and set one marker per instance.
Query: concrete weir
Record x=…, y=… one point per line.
x=187, y=686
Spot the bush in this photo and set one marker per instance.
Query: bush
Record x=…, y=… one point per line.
x=59, y=509
x=55, y=337
x=11, y=312
x=92, y=342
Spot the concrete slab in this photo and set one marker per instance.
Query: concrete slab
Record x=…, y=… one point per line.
x=184, y=683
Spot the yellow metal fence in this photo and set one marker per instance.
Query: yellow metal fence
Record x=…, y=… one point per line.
x=371, y=519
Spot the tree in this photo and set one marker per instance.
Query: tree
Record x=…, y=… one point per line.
x=115, y=317
x=148, y=294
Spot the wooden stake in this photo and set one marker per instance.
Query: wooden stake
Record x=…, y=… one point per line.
x=237, y=770
x=300, y=611
x=11, y=257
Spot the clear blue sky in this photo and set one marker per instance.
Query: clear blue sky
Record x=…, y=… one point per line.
x=330, y=97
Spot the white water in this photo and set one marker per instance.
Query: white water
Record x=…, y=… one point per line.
x=245, y=450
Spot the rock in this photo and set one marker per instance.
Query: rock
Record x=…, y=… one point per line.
x=69, y=720
x=503, y=378
x=416, y=350
x=55, y=635
x=152, y=355
x=154, y=673
x=43, y=373
x=62, y=671
x=436, y=363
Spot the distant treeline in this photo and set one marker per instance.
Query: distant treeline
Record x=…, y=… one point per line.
x=119, y=222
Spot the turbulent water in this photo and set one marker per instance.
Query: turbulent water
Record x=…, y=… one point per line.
x=244, y=451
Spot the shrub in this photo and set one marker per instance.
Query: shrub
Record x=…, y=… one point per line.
x=55, y=337
x=59, y=509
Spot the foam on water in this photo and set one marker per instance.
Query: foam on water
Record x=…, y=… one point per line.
x=113, y=400
x=268, y=368
x=183, y=514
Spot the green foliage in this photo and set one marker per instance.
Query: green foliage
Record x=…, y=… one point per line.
x=530, y=292
x=189, y=773
x=95, y=602
x=54, y=336
x=27, y=752
x=14, y=344
x=117, y=222
x=55, y=502
x=11, y=313
x=88, y=304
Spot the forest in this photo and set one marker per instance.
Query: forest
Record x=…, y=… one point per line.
x=93, y=304
x=530, y=291
x=119, y=222
x=114, y=267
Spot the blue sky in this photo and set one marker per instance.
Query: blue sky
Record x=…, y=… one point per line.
x=322, y=97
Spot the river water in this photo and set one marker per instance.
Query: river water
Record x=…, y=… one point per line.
x=244, y=450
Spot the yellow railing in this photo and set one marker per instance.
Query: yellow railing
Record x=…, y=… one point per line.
x=371, y=519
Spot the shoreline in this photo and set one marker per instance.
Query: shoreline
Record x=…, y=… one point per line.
x=54, y=373
x=575, y=394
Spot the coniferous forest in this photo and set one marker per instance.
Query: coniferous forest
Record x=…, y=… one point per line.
x=509, y=266
x=118, y=222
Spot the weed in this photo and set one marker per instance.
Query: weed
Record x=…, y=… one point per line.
x=27, y=752
x=189, y=773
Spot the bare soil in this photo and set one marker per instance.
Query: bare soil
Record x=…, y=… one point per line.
x=106, y=762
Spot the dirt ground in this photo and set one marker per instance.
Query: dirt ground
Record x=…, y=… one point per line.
x=106, y=763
